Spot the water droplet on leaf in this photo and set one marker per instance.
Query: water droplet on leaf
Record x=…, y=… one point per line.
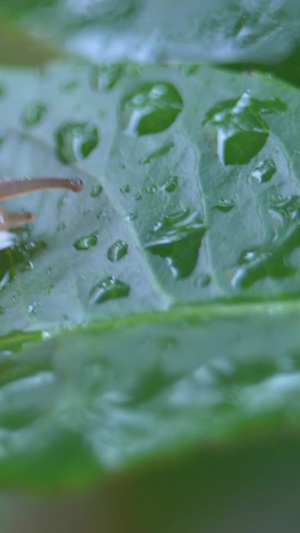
x=157, y=153
x=96, y=191
x=32, y=308
x=151, y=189
x=203, y=280
x=125, y=189
x=224, y=205
x=235, y=129
x=151, y=108
x=105, y=77
x=117, y=251
x=70, y=86
x=75, y=141
x=84, y=243
x=108, y=289
x=264, y=170
x=171, y=184
x=271, y=259
x=131, y=216
x=177, y=238
x=33, y=114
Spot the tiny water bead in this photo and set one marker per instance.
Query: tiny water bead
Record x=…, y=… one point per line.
x=87, y=242
x=157, y=153
x=264, y=171
x=151, y=108
x=224, y=205
x=108, y=289
x=117, y=251
x=202, y=281
x=33, y=114
x=105, y=77
x=70, y=86
x=151, y=189
x=177, y=238
x=96, y=191
x=235, y=129
x=125, y=189
x=131, y=216
x=272, y=259
x=171, y=184
x=75, y=141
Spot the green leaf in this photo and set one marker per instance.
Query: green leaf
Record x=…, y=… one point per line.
x=223, y=31
x=169, y=285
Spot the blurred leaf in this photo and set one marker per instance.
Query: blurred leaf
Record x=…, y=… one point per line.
x=17, y=47
x=146, y=30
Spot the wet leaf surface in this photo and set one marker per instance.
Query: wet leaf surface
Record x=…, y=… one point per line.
x=168, y=287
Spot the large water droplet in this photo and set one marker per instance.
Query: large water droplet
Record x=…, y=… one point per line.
x=108, y=289
x=33, y=114
x=84, y=243
x=117, y=251
x=264, y=170
x=177, y=238
x=151, y=108
x=235, y=129
x=75, y=141
x=224, y=205
x=105, y=77
x=271, y=259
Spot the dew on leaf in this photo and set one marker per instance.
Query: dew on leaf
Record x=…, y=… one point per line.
x=33, y=114
x=96, y=191
x=32, y=308
x=171, y=184
x=272, y=258
x=109, y=289
x=224, y=205
x=49, y=289
x=202, y=281
x=61, y=226
x=75, y=141
x=235, y=129
x=117, y=251
x=264, y=170
x=151, y=108
x=105, y=77
x=158, y=153
x=151, y=189
x=177, y=238
x=131, y=216
x=87, y=242
x=69, y=86
x=125, y=189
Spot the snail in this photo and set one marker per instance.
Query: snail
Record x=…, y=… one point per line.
x=14, y=186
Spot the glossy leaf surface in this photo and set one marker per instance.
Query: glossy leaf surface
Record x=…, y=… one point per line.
x=176, y=269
